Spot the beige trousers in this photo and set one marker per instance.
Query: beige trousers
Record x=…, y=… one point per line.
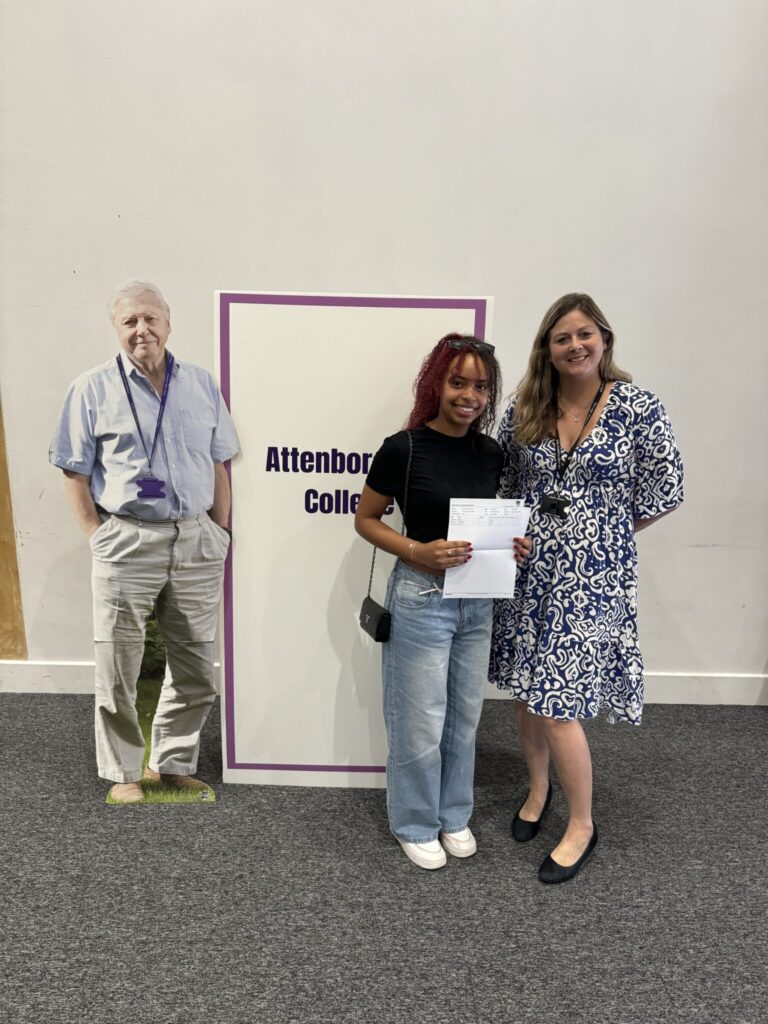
x=176, y=568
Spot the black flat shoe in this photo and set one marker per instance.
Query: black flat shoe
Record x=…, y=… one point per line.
x=552, y=873
x=523, y=831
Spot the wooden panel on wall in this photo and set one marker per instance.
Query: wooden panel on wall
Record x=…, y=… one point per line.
x=13, y=642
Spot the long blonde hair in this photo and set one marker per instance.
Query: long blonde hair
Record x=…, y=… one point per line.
x=536, y=407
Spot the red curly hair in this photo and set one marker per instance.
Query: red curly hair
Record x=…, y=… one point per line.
x=429, y=383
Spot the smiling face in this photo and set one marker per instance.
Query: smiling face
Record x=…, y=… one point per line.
x=576, y=347
x=142, y=329
x=464, y=395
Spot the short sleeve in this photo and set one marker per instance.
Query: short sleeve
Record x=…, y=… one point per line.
x=658, y=485
x=509, y=482
x=387, y=473
x=74, y=442
x=224, y=442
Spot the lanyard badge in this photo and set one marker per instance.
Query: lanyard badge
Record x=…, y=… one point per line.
x=554, y=505
x=149, y=486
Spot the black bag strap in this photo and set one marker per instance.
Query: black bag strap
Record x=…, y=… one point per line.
x=405, y=507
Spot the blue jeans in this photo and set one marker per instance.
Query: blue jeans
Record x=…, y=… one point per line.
x=434, y=670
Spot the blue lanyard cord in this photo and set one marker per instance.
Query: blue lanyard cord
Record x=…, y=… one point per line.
x=163, y=398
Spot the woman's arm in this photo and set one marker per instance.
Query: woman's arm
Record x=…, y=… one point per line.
x=658, y=483
x=435, y=556
x=640, y=524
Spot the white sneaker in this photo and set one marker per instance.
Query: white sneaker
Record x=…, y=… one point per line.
x=429, y=855
x=459, y=844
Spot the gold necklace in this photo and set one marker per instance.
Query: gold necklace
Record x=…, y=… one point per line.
x=574, y=416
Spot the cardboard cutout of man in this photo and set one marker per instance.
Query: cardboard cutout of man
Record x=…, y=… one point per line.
x=142, y=440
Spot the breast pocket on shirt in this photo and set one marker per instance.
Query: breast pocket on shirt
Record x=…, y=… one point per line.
x=198, y=430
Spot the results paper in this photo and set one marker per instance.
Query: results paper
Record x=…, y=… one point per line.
x=489, y=524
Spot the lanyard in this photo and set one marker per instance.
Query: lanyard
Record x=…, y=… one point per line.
x=166, y=384
x=564, y=458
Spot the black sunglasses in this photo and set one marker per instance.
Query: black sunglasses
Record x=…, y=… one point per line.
x=483, y=348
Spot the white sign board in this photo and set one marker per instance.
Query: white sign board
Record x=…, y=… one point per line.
x=314, y=383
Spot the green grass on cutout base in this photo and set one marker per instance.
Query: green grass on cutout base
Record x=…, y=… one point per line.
x=148, y=691
x=157, y=793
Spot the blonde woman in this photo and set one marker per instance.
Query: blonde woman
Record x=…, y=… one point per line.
x=595, y=458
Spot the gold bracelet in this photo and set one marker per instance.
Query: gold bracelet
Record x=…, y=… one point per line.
x=410, y=550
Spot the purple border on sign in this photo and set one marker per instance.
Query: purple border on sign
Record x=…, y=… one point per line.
x=226, y=301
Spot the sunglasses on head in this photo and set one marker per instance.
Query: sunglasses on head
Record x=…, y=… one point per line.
x=483, y=348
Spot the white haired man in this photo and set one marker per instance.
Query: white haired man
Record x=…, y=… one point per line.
x=142, y=440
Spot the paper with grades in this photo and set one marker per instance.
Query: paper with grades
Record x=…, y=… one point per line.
x=489, y=524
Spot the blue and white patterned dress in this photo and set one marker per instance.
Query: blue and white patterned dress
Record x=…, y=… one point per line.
x=567, y=642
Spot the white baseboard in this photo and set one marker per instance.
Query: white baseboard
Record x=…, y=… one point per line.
x=660, y=687
x=48, y=676
x=706, y=688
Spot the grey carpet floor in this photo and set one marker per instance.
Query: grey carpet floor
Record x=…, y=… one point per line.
x=281, y=905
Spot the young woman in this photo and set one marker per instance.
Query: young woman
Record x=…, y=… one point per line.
x=435, y=663
x=595, y=458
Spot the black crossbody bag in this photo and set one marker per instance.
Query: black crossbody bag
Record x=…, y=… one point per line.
x=375, y=618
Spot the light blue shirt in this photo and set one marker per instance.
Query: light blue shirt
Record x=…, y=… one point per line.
x=96, y=436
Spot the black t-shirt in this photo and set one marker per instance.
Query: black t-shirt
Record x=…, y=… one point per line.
x=443, y=467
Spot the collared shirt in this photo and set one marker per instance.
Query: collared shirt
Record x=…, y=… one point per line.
x=96, y=436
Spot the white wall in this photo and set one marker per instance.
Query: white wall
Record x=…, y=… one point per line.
x=493, y=147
